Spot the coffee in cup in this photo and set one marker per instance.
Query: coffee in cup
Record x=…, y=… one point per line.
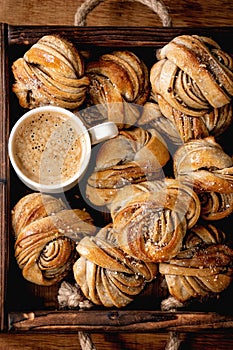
x=50, y=148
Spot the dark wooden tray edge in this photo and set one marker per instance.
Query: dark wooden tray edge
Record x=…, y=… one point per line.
x=4, y=174
x=113, y=36
x=117, y=321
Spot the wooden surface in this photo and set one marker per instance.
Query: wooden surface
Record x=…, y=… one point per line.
x=116, y=341
x=113, y=13
x=130, y=321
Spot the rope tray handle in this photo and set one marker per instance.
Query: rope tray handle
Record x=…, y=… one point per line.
x=156, y=6
x=71, y=296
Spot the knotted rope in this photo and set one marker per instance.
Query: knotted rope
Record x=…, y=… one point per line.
x=156, y=6
x=71, y=296
x=172, y=304
x=86, y=341
x=173, y=341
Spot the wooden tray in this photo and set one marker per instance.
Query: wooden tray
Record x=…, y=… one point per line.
x=26, y=307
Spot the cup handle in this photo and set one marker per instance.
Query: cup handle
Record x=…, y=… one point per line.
x=102, y=132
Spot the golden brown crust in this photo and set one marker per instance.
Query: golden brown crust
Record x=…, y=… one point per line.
x=106, y=275
x=202, y=235
x=191, y=55
x=215, y=205
x=152, y=117
x=135, y=155
x=44, y=253
x=151, y=218
x=32, y=207
x=178, y=127
x=50, y=72
x=219, y=119
x=193, y=82
x=204, y=165
x=62, y=46
x=213, y=122
x=119, y=78
x=188, y=127
x=46, y=235
x=202, y=268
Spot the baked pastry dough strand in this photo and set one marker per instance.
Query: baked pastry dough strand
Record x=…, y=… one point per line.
x=193, y=55
x=178, y=127
x=50, y=72
x=136, y=155
x=151, y=218
x=46, y=233
x=106, y=275
x=204, y=165
x=215, y=205
x=117, y=80
x=204, y=266
x=212, y=123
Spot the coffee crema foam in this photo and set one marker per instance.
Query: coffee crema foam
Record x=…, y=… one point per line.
x=49, y=149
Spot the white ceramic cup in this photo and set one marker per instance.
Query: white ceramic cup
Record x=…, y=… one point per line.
x=50, y=148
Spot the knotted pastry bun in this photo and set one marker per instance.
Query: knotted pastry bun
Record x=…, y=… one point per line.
x=178, y=127
x=193, y=79
x=50, y=72
x=33, y=207
x=204, y=266
x=106, y=275
x=204, y=165
x=46, y=233
x=151, y=218
x=135, y=155
x=120, y=81
x=193, y=74
x=152, y=117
